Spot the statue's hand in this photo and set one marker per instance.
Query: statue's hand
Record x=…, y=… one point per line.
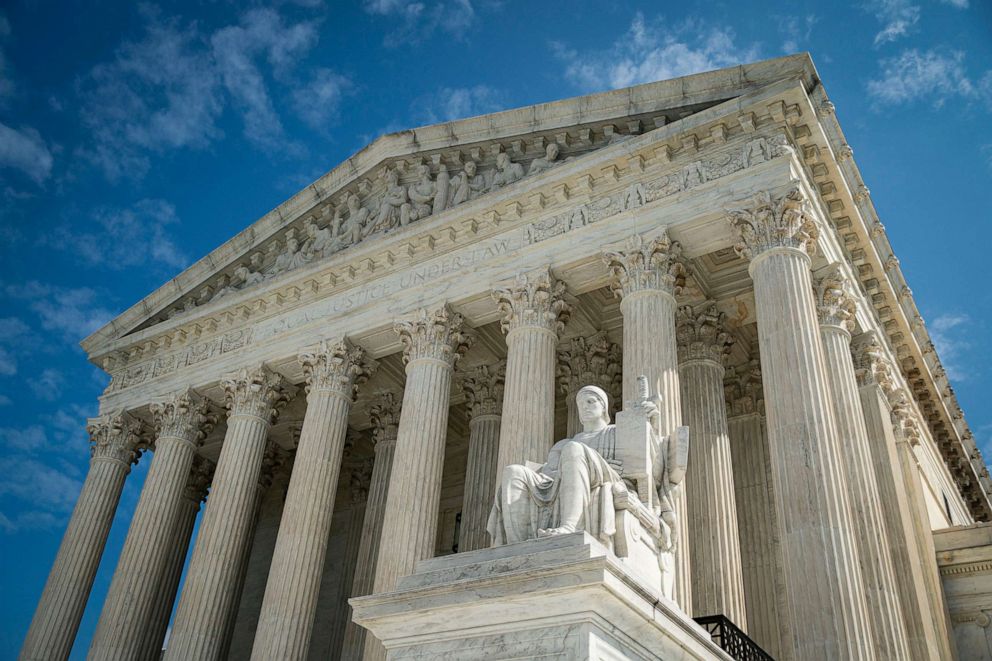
x=616, y=464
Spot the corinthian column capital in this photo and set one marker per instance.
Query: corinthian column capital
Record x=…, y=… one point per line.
x=187, y=415
x=337, y=366
x=592, y=360
x=905, y=422
x=434, y=335
x=773, y=221
x=200, y=476
x=385, y=417
x=646, y=264
x=700, y=333
x=743, y=390
x=871, y=363
x=534, y=300
x=834, y=303
x=256, y=391
x=116, y=436
x=483, y=387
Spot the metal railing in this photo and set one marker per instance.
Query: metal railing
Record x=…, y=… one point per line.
x=732, y=640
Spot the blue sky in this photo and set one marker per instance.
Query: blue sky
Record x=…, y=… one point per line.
x=136, y=138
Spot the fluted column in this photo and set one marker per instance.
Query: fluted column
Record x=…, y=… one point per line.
x=484, y=389
x=824, y=592
x=285, y=625
x=534, y=312
x=909, y=433
x=432, y=343
x=921, y=620
x=360, y=475
x=195, y=493
x=385, y=416
x=703, y=344
x=114, y=443
x=647, y=273
x=761, y=553
x=835, y=308
x=182, y=423
x=589, y=361
x=209, y=597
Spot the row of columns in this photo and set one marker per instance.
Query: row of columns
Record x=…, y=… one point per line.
x=827, y=513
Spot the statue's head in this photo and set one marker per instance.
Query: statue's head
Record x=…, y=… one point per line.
x=552, y=151
x=470, y=168
x=593, y=405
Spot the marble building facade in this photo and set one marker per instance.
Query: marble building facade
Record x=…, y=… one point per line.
x=334, y=391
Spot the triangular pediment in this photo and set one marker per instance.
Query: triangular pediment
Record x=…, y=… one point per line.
x=403, y=178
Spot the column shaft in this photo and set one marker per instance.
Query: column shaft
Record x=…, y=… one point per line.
x=824, y=592
x=385, y=418
x=717, y=585
x=761, y=553
x=353, y=544
x=209, y=597
x=288, y=608
x=168, y=585
x=918, y=617
x=480, y=482
x=133, y=593
x=60, y=609
x=871, y=534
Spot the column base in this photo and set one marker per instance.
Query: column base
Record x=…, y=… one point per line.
x=563, y=597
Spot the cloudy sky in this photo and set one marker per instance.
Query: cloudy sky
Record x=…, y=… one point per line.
x=134, y=139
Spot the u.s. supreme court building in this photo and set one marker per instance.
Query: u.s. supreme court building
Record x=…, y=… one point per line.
x=359, y=400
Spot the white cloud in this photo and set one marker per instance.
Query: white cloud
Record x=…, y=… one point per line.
x=317, y=102
x=45, y=494
x=459, y=102
x=5, y=401
x=947, y=332
x=124, y=238
x=898, y=18
x=957, y=4
x=419, y=20
x=169, y=89
x=73, y=312
x=48, y=384
x=928, y=76
x=6, y=83
x=24, y=150
x=797, y=32
x=651, y=51
x=26, y=439
x=14, y=334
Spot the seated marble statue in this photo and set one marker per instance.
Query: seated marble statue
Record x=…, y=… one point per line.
x=583, y=482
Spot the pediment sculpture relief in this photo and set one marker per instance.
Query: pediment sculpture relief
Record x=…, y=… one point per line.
x=613, y=481
x=395, y=204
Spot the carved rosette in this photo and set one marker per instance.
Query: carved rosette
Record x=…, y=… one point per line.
x=834, y=303
x=434, y=335
x=385, y=417
x=257, y=391
x=483, y=389
x=646, y=264
x=592, y=360
x=117, y=436
x=200, y=477
x=700, y=333
x=781, y=221
x=533, y=300
x=339, y=367
x=188, y=416
x=743, y=390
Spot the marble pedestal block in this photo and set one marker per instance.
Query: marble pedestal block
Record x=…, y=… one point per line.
x=563, y=597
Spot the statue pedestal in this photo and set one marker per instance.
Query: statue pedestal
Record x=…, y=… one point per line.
x=562, y=597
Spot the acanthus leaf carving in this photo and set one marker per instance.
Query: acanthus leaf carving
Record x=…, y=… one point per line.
x=257, y=391
x=773, y=221
x=701, y=333
x=592, y=360
x=187, y=415
x=646, y=264
x=743, y=389
x=434, y=335
x=834, y=301
x=117, y=436
x=483, y=388
x=535, y=299
x=337, y=366
x=385, y=417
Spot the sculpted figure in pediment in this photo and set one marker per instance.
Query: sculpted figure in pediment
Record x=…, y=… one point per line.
x=507, y=172
x=394, y=209
x=442, y=189
x=290, y=258
x=352, y=228
x=319, y=242
x=548, y=161
x=422, y=194
x=241, y=278
x=467, y=185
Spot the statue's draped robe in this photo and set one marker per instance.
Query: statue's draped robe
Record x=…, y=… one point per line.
x=528, y=500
